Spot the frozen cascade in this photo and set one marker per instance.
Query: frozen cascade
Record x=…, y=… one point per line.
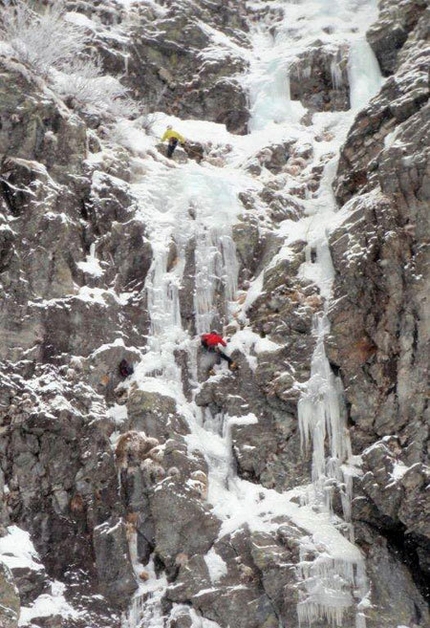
x=216, y=266
x=321, y=419
x=191, y=207
x=145, y=608
x=330, y=585
x=195, y=206
x=327, y=596
x=364, y=75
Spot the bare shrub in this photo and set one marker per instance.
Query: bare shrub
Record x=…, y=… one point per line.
x=82, y=80
x=43, y=41
x=54, y=47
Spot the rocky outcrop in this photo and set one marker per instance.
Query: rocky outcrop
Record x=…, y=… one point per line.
x=9, y=599
x=62, y=481
x=319, y=78
x=401, y=98
x=244, y=569
x=166, y=57
x=379, y=315
x=116, y=577
x=393, y=29
x=38, y=129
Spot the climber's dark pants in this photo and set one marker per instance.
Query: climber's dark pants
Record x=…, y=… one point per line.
x=218, y=351
x=173, y=142
x=224, y=356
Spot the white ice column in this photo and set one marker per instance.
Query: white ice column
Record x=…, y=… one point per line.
x=364, y=75
x=331, y=577
x=322, y=420
x=162, y=287
x=216, y=276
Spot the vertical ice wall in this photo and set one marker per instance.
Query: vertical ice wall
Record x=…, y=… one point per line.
x=364, y=74
x=187, y=206
x=322, y=419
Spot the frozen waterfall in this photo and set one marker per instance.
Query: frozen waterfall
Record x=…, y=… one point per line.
x=189, y=207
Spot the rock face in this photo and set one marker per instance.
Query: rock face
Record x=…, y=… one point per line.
x=9, y=599
x=133, y=487
x=394, y=29
x=319, y=78
x=379, y=316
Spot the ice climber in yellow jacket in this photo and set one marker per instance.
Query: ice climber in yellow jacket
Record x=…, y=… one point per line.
x=174, y=137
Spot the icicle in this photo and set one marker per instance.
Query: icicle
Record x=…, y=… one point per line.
x=216, y=272
x=329, y=587
x=321, y=417
x=336, y=74
x=327, y=583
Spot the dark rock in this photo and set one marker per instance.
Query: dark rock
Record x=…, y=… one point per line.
x=113, y=563
x=183, y=524
x=9, y=599
x=319, y=78
x=392, y=29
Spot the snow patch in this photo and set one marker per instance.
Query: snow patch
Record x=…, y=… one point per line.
x=216, y=566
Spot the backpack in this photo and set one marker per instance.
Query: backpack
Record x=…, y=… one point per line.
x=125, y=369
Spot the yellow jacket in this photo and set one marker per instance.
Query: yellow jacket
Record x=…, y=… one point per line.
x=171, y=133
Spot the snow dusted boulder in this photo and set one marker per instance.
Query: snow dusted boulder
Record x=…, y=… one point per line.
x=282, y=206
x=113, y=563
x=180, y=617
x=192, y=577
x=17, y=552
x=226, y=103
x=252, y=612
x=183, y=523
x=285, y=307
x=9, y=599
x=246, y=569
x=177, y=456
x=155, y=414
x=275, y=156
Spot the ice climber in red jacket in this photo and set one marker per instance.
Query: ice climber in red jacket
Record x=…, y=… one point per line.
x=212, y=341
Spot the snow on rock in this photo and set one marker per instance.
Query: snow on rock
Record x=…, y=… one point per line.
x=17, y=550
x=51, y=604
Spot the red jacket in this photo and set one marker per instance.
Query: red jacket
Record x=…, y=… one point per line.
x=212, y=340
